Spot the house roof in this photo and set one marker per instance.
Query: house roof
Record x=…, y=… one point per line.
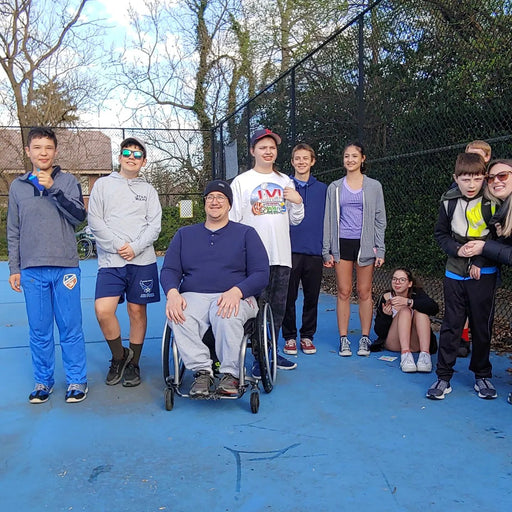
x=84, y=151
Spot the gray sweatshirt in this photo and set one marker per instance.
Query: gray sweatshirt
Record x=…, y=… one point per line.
x=124, y=210
x=40, y=224
x=374, y=222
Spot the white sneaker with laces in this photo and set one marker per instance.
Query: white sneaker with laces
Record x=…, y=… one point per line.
x=407, y=363
x=424, y=364
x=344, y=347
x=364, y=346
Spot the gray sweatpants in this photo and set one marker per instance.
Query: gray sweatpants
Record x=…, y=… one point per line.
x=200, y=313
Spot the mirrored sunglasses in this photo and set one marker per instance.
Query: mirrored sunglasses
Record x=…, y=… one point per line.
x=129, y=152
x=501, y=176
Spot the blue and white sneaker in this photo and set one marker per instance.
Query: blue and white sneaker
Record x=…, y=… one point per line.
x=285, y=364
x=485, y=389
x=40, y=394
x=76, y=393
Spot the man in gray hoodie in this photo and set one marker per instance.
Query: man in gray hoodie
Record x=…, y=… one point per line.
x=125, y=218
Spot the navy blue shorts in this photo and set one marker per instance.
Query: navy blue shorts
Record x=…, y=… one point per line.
x=139, y=283
x=349, y=248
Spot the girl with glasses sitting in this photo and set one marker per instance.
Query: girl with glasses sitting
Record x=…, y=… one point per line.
x=402, y=322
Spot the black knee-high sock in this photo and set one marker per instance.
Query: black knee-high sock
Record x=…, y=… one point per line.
x=116, y=347
x=137, y=349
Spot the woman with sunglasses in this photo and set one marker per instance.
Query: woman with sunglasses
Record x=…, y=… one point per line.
x=402, y=322
x=499, y=186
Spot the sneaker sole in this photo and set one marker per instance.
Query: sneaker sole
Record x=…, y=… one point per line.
x=118, y=380
x=308, y=351
x=409, y=370
x=363, y=352
x=290, y=352
x=38, y=400
x=447, y=391
x=424, y=369
x=286, y=367
x=345, y=354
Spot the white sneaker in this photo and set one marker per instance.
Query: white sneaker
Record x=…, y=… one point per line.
x=344, y=347
x=424, y=364
x=407, y=363
x=364, y=346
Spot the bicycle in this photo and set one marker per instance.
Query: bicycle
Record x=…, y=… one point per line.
x=85, y=243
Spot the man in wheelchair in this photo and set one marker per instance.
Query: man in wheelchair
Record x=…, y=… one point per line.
x=210, y=275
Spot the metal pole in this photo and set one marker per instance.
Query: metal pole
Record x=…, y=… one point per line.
x=293, y=112
x=360, y=87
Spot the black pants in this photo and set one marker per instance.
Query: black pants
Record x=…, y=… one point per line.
x=275, y=294
x=472, y=299
x=308, y=269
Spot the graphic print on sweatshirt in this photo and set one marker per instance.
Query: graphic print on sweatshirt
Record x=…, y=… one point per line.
x=268, y=199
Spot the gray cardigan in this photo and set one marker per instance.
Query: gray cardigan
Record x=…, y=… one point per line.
x=374, y=222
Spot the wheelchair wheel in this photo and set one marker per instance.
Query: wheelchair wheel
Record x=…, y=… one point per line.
x=267, y=347
x=255, y=401
x=84, y=247
x=169, y=399
x=172, y=366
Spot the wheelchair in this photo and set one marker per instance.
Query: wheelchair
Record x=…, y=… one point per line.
x=259, y=335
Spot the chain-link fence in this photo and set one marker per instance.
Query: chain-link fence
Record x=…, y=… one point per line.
x=413, y=80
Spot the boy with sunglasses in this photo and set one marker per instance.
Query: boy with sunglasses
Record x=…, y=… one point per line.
x=469, y=283
x=125, y=218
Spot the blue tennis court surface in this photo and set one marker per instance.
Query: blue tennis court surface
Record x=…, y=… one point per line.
x=336, y=434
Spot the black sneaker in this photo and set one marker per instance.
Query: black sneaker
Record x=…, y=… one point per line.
x=117, y=367
x=202, y=383
x=131, y=376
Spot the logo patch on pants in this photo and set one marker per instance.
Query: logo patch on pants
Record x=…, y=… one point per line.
x=147, y=288
x=69, y=281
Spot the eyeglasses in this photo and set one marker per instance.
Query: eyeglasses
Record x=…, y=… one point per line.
x=220, y=199
x=501, y=176
x=400, y=280
x=129, y=152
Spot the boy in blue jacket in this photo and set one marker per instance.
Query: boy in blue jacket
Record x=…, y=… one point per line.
x=307, y=263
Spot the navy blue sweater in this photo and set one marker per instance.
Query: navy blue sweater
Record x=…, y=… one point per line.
x=307, y=236
x=204, y=261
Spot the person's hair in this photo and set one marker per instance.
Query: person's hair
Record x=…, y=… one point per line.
x=305, y=147
x=480, y=144
x=506, y=224
x=416, y=283
x=41, y=132
x=469, y=163
x=360, y=147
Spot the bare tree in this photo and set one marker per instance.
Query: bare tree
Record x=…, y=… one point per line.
x=46, y=48
x=178, y=70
